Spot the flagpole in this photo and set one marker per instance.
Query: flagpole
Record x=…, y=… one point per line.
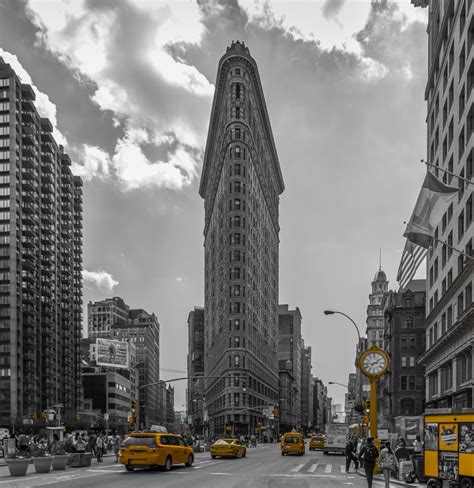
x=469, y=182
x=454, y=248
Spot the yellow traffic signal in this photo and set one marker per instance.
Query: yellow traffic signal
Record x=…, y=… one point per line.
x=274, y=410
x=367, y=406
x=133, y=406
x=132, y=419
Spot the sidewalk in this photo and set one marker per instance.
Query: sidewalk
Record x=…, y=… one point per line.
x=378, y=477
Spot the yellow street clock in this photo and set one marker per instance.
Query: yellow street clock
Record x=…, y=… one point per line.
x=374, y=362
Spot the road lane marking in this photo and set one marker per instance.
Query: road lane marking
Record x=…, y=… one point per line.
x=223, y=474
x=328, y=468
x=312, y=469
x=297, y=468
x=208, y=464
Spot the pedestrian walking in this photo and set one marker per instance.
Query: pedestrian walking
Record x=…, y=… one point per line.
x=117, y=442
x=369, y=455
x=351, y=456
x=418, y=446
x=388, y=462
x=99, y=448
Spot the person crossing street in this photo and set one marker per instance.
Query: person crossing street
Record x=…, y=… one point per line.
x=369, y=453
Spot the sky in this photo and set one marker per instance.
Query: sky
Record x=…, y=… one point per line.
x=128, y=85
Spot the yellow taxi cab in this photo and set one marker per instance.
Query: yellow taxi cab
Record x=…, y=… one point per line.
x=154, y=449
x=316, y=442
x=228, y=448
x=292, y=443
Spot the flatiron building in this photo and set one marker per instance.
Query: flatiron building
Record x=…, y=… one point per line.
x=241, y=182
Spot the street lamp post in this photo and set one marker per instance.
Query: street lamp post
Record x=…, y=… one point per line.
x=332, y=312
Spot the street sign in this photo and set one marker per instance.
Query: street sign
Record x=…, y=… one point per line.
x=366, y=388
x=106, y=416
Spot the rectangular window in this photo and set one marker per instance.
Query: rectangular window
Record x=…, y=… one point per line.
x=403, y=383
x=404, y=361
x=412, y=361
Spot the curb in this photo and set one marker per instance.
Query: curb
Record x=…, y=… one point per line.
x=397, y=482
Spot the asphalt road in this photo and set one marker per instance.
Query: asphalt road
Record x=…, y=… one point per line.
x=263, y=467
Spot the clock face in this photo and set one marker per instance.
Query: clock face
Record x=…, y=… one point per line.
x=374, y=363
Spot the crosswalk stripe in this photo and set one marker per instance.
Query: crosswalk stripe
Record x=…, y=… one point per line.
x=312, y=469
x=297, y=468
x=343, y=469
x=328, y=468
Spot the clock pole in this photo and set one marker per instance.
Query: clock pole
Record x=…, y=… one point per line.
x=373, y=407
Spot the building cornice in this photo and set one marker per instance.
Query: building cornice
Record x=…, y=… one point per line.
x=237, y=55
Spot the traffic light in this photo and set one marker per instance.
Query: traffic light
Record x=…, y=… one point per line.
x=133, y=406
x=78, y=417
x=367, y=406
x=257, y=428
x=243, y=385
x=274, y=410
x=132, y=419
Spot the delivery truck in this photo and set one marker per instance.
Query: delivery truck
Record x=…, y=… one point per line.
x=336, y=438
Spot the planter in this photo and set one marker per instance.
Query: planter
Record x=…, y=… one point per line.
x=18, y=467
x=80, y=459
x=60, y=462
x=43, y=464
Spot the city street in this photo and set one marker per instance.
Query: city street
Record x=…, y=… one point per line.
x=263, y=467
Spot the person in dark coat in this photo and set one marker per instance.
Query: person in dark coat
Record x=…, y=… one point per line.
x=351, y=456
x=369, y=453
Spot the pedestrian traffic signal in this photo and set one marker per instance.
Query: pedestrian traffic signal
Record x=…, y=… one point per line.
x=133, y=406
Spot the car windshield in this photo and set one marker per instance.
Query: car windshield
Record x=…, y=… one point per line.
x=292, y=439
x=148, y=441
x=224, y=441
x=316, y=438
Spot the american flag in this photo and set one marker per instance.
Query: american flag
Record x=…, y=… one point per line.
x=412, y=257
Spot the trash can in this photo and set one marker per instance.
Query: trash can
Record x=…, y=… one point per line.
x=419, y=462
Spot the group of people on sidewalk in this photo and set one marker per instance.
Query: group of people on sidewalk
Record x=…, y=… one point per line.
x=368, y=456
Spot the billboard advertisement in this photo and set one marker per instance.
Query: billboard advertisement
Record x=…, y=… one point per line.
x=112, y=353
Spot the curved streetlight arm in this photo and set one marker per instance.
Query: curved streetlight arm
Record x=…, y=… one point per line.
x=330, y=312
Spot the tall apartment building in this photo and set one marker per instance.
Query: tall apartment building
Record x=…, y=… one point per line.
x=195, y=390
x=241, y=182
x=449, y=93
x=375, y=318
x=40, y=261
x=401, y=390
x=289, y=367
x=320, y=403
x=143, y=330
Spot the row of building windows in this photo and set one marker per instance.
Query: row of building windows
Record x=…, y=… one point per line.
x=4, y=106
x=4, y=82
x=411, y=382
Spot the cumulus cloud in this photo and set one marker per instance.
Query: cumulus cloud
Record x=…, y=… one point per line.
x=125, y=49
x=101, y=280
x=43, y=104
x=332, y=8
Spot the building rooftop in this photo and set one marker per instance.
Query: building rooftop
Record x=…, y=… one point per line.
x=414, y=286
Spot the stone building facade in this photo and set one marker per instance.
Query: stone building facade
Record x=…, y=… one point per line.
x=449, y=325
x=402, y=389
x=240, y=183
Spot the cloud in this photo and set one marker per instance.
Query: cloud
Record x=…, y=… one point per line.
x=101, y=280
x=43, y=104
x=95, y=163
x=332, y=8
x=179, y=279
x=126, y=49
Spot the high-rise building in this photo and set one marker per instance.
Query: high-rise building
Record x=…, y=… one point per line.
x=40, y=260
x=102, y=315
x=143, y=330
x=241, y=182
x=195, y=390
x=375, y=318
x=320, y=405
x=401, y=390
x=449, y=323
x=306, y=391
x=289, y=367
